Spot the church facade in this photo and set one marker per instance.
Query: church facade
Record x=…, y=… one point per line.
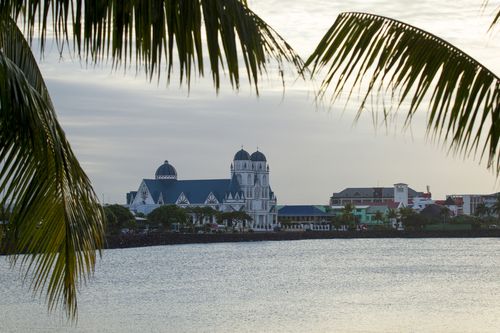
x=248, y=189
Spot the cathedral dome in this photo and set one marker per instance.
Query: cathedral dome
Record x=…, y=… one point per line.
x=258, y=157
x=242, y=155
x=166, y=171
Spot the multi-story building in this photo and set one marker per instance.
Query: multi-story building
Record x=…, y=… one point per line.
x=467, y=203
x=400, y=193
x=247, y=190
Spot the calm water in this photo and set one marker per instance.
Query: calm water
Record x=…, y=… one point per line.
x=393, y=285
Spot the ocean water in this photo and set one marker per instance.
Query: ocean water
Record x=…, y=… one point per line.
x=358, y=285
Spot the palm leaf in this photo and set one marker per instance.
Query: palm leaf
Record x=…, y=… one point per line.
x=495, y=20
x=394, y=59
x=149, y=32
x=56, y=221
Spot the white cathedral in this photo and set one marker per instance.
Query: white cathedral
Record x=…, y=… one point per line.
x=247, y=190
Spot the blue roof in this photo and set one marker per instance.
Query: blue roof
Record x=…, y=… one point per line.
x=301, y=210
x=166, y=169
x=258, y=157
x=234, y=186
x=242, y=155
x=196, y=191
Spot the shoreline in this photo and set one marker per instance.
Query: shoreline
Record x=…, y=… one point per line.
x=130, y=241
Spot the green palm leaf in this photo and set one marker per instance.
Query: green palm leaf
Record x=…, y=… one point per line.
x=56, y=221
x=150, y=32
x=409, y=65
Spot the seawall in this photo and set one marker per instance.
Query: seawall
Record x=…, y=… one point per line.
x=125, y=241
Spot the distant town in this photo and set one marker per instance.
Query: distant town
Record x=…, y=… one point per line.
x=245, y=202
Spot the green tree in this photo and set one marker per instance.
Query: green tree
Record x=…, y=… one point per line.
x=495, y=208
x=118, y=217
x=482, y=210
x=235, y=218
x=111, y=222
x=416, y=221
x=347, y=215
x=200, y=213
x=392, y=215
x=379, y=216
x=39, y=173
x=445, y=214
x=336, y=222
x=167, y=215
x=406, y=213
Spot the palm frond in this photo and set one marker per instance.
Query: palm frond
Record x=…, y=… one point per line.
x=56, y=224
x=150, y=32
x=495, y=20
x=410, y=65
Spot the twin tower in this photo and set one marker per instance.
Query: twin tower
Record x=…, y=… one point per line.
x=252, y=173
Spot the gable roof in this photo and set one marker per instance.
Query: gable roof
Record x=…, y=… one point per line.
x=301, y=210
x=234, y=186
x=196, y=191
x=372, y=192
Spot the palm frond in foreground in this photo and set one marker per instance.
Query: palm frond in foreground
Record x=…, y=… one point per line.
x=56, y=221
x=410, y=65
x=149, y=32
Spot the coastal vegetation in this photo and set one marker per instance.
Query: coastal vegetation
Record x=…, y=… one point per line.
x=54, y=214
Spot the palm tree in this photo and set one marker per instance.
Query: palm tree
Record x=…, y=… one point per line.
x=347, y=214
x=445, y=213
x=406, y=213
x=481, y=210
x=392, y=60
x=56, y=219
x=495, y=208
x=379, y=216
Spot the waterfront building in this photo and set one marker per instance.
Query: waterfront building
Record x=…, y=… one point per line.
x=304, y=218
x=467, y=203
x=248, y=190
x=400, y=193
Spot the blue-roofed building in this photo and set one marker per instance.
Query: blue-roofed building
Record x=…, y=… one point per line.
x=304, y=217
x=246, y=190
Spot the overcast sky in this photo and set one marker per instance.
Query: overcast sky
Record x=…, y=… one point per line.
x=122, y=127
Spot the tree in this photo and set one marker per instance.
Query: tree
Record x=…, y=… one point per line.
x=348, y=216
x=392, y=215
x=235, y=218
x=416, y=221
x=379, y=216
x=336, y=222
x=495, y=208
x=406, y=213
x=445, y=213
x=482, y=210
x=389, y=59
x=117, y=218
x=200, y=213
x=56, y=218
x=167, y=215
x=110, y=221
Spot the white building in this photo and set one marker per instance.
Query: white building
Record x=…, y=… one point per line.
x=247, y=190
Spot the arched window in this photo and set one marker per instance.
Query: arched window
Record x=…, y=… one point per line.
x=249, y=179
x=239, y=178
x=264, y=180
